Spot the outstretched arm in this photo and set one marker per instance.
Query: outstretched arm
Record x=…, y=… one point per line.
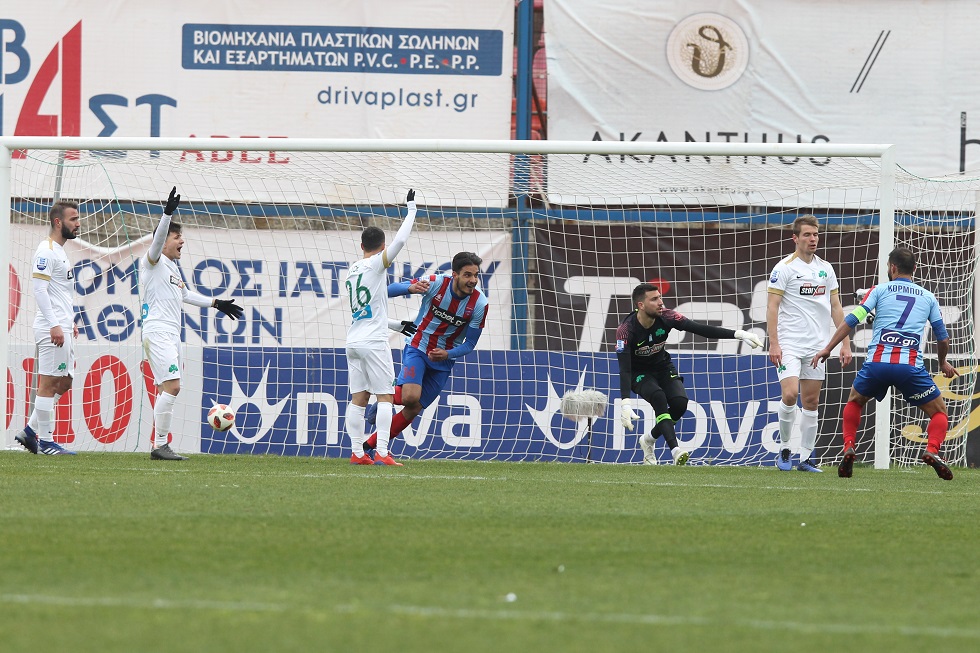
x=709, y=331
x=402, y=236
x=837, y=315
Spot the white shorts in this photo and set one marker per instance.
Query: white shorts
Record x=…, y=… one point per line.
x=164, y=352
x=370, y=368
x=799, y=366
x=53, y=360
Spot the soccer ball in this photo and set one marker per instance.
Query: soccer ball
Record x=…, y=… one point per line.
x=221, y=418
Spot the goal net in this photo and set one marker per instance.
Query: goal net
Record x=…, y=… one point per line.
x=565, y=231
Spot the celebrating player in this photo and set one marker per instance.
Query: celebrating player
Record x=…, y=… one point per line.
x=902, y=309
x=803, y=299
x=450, y=322
x=645, y=367
x=163, y=290
x=371, y=370
x=54, y=287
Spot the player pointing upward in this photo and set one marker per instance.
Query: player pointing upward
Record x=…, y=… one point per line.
x=902, y=309
x=371, y=369
x=163, y=291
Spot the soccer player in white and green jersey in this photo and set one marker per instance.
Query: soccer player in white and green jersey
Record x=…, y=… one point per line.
x=804, y=298
x=370, y=367
x=163, y=291
x=54, y=328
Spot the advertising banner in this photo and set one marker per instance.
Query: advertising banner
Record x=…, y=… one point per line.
x=374, y=69
x=302, y=69
x=769, y=71
x=290, y=283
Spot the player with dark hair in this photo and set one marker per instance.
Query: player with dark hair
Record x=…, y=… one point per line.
x=54, y=288
x=450, y=322
x=646, y=368
x=371, y=370
x=902, y=309
x=163, y=291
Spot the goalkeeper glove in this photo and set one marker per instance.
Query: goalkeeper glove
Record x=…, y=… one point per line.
x=411, y=196
x=172, y=202
x=626, y=415
x=409, y=327
x=229, y=308
x=749, y=338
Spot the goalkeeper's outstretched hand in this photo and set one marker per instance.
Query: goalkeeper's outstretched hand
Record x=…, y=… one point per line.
x=409, y=327
x=411, y=196
x=749, y=338
x=229, y=308
x=172, y=202
x=626, y=415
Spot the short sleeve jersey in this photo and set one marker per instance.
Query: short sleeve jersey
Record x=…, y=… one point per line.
x=51, y=264
x=163, y=290
x=367, y=294
x=804, y=319
x=902, y=309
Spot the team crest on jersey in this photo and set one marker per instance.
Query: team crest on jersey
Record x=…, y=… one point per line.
x=176, y=281
x=71, y=274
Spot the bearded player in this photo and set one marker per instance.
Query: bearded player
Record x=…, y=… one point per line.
x=450, y=322
x=646, y=368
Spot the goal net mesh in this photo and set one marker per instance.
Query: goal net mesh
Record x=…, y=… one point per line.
x=564, y=240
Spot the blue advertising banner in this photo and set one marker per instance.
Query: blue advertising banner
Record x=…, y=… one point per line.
x=498, y=405
x=342, y=49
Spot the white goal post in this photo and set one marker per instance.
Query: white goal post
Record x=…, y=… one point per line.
x=573, y=223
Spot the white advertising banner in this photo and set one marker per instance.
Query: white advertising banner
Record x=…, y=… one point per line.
x=344, y=69
x=379, y=69
x=291, y=285
x=791, y=71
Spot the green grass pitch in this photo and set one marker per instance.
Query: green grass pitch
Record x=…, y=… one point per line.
x=114, y=552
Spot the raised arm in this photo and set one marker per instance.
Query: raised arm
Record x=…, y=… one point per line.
x=402, y=236
x=163, y=229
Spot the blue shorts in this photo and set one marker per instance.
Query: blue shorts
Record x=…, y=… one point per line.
x=915, y=383
x=417, y=368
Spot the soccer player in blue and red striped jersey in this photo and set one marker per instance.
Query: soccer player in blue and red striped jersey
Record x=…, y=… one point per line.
x=450, y=322
x=902, y=309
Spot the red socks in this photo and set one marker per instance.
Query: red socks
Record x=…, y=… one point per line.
x=852, y=419
x=938, y=425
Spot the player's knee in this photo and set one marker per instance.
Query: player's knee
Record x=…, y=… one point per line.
x=678, y=406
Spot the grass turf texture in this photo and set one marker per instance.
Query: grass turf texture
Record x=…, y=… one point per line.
x=113, y=552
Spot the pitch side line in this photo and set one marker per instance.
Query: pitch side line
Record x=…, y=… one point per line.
x=435, y=612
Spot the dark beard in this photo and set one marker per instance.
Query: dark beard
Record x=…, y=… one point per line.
x=67, y=234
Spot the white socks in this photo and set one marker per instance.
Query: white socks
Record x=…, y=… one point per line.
x=383, y=421
x=808, y=433
x=34, y=423
x=787, y=417
x=163, y=415
x=354, y=419
x=44, y=416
